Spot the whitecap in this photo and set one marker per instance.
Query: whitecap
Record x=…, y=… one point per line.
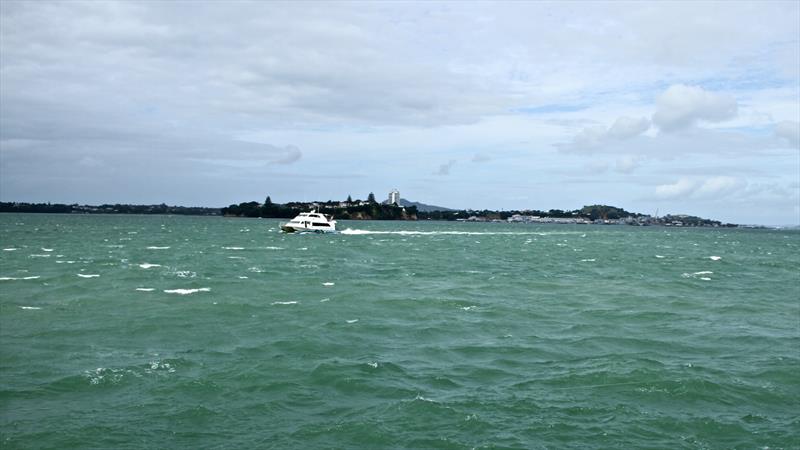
x=351, y=321
x=10, y=249
x=303, y=248
x=22, y=278
x=243, y=278
x=65, y=262
x=588, y=260
x=469, y=308
x=274, y=248
x=374, y=365
x=157, y=248
x=705, y=278
x=704, y=272
x=148, y=265
x=145, y=289
x=47, y=249
x=325, y=300
x=660, y=256
x=328, y=283
x=284, y=303
x=715, y=258
x=93, y=275
x=235, y=257
x=30, y=307
x=40, y=256
x=233, y=248
x=185, y=291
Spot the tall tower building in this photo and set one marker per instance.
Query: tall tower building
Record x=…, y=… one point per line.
x=394, y=197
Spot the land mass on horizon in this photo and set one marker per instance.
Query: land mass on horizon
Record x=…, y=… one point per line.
x=370, y=209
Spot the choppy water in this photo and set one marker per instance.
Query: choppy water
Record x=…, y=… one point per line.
x=206, y=332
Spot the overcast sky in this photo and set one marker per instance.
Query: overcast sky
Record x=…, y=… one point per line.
x=680, y=107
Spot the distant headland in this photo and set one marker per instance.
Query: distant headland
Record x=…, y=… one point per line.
x=395, y=208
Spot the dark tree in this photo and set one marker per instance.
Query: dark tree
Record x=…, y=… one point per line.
x=349, y=199
x=371, y=198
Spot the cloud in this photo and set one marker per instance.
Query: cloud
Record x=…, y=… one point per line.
x=444, y=169
x=790, y=131
x=292, y=154
x=628, y=163
x=627, y=127
x=598, y=137
x=682, y=106
x=720, y=186
x=680, y=188
x=709, y=188
x=481, y=157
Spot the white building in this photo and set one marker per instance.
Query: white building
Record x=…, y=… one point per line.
x=394, y=197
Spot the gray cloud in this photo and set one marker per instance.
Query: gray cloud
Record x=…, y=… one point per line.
x=444, y=169
x=790, y=131
x=481, y=158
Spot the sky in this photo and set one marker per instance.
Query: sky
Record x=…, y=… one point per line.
x=655, y=107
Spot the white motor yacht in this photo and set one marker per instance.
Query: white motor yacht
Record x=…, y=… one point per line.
x=310, y=221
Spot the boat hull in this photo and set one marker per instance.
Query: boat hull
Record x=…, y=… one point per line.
x=292, y=229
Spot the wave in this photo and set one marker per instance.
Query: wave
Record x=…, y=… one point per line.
x=148, y=265
x=186, y=291
x=20, y=278
x=93, y=275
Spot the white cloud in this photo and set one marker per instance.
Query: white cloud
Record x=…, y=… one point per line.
x=627, y=127
x=598, y=137
x=680, y=188
x=682, y=106
x=790, y=131
x=708, y=188
x=720, y=186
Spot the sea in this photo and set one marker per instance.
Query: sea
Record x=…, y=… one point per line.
x=175, y=332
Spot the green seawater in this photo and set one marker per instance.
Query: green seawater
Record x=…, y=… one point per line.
x=206, y=332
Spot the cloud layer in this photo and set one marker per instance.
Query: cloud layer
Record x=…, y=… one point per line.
x=212, y=103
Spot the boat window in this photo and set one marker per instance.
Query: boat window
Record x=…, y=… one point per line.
x=319, y=224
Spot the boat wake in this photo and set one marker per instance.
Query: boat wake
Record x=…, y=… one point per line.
x=351, y=231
